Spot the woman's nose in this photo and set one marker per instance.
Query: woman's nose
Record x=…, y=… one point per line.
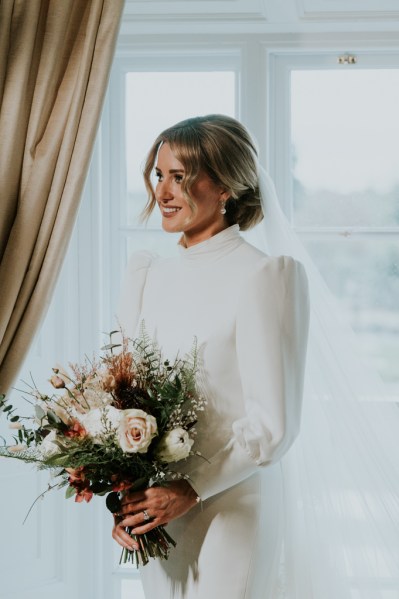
x=163, y=191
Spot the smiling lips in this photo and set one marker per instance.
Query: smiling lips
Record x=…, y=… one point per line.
x=170, y=210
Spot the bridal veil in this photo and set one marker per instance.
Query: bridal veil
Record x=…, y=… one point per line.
x=341, y=477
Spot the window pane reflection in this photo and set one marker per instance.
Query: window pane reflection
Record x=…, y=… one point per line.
x=363, y=273
x=345, y=161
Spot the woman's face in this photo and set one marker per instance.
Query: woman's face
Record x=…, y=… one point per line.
x=176, y=213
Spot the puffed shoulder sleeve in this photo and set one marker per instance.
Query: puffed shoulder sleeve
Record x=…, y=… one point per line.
x=271, y=339
x=131, y=296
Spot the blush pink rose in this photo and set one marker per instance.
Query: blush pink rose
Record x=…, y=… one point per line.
x=136, y=431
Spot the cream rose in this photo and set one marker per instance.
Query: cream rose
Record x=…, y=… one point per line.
x=175, y=445
x=136, y=431
x=100, y=422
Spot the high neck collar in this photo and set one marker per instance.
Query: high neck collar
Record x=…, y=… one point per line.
x=213, y=248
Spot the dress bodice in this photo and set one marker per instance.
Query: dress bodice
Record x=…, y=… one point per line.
x=248, y=312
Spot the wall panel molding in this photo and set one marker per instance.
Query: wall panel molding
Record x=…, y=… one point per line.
x=347, y=10
x=196, y=10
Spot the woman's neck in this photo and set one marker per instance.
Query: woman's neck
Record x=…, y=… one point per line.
x=190, y=238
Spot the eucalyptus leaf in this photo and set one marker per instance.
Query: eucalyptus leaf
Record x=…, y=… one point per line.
x=53, y=418
x=70, y=492
x=40, y=413
x=59, y=461
x=110, y=346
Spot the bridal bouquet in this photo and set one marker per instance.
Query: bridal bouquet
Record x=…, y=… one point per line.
x=113, y=424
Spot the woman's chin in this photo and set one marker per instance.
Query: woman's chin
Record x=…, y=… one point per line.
x=174, y=224
x=170, y=227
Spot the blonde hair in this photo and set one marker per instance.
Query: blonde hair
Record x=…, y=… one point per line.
x=222, y=148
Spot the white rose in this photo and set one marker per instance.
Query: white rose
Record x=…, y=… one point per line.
x=96, y=397
x=136, y=431
x=175, y=445
x=100, y=422
x=47, y=447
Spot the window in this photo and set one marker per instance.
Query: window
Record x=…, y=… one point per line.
x=342, y=184
x=321, y=122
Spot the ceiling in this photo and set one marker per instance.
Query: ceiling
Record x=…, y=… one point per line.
x=207, y=16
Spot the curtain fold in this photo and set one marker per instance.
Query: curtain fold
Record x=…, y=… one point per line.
x=55, y=59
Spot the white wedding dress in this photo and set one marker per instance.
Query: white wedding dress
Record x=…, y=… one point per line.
x=249, y=313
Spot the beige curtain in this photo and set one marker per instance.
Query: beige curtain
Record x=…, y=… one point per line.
x=55, y=58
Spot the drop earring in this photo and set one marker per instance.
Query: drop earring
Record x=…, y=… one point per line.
x=223, y=207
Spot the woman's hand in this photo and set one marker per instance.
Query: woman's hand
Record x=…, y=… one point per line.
x=162, y=504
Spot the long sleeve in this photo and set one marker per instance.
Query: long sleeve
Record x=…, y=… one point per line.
x=271, y=338
x=131, y=295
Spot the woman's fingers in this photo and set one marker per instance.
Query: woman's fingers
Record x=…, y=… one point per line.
x=154, y=503
x=122, y=537
x=142, y=511
x=139, y=523
x=145, y=527
x=133, y=497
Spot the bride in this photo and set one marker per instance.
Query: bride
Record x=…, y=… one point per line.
x=249, y=312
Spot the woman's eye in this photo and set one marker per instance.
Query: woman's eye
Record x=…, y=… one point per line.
x=158, y=176
x=178, y=178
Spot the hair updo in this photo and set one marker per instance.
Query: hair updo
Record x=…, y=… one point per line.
x=222, y=148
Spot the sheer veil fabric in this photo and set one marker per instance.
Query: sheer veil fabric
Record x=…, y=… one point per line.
x=341, y=477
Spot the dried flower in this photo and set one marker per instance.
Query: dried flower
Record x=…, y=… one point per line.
x=108, y=382
x=16, y=448
x=76, y=430
x=76, y=475
x=57, y=382
x=84, y=495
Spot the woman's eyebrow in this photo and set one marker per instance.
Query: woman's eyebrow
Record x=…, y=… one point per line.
x=171, y=171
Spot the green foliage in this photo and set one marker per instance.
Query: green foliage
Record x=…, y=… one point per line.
x=70, y=492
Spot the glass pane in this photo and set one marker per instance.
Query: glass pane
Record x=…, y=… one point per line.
x=363, y=272
x=345, y=159
x=157, y=100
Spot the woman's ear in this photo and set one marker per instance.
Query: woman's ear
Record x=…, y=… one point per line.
x=224, y=195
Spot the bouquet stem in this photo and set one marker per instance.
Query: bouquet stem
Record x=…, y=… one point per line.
x=155, y=543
